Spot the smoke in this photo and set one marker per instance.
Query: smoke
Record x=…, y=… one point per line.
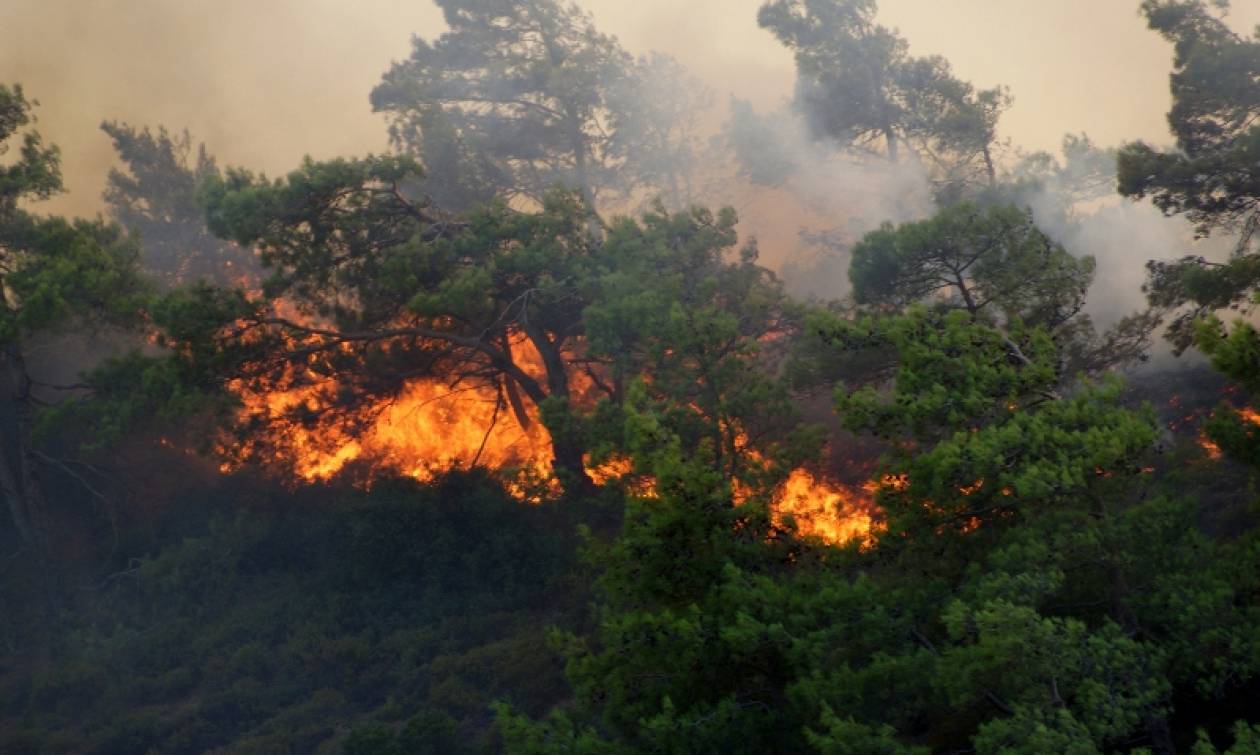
x=1074, y=202
x=265, y=83
x=1121, y=237
x=808, y=202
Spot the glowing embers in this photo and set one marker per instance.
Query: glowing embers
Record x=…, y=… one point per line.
x=1211, y=449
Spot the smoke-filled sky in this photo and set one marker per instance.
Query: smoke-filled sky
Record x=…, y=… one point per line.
x=264, y=82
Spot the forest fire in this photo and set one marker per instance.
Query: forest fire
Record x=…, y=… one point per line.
x=1211, y=448
x=830, y=512
x=431, y=427
x=591, y=402
x=428, y=428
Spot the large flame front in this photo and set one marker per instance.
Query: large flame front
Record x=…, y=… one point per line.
x=431, y=427
x=428, y=429
x=828, y=511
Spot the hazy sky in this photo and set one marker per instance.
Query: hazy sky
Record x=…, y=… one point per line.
x=264, y=82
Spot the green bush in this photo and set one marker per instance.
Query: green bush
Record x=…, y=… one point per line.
x=280, y=626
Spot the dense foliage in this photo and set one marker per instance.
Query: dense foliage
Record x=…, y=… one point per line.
x=858, y=84
x=266, y=621
x=520, y=96
x=1046, y=559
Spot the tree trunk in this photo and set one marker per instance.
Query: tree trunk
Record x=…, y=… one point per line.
x=1161, y=735
x=580, y=146
x=12, y=491
x=579, y=164
x=619, y=383
x=18, y=481
x=568, y=458
x=518, y=406
x=968, y=300
x=513, y=391
x=33, y=497
x=890, y=138
x=567, y=450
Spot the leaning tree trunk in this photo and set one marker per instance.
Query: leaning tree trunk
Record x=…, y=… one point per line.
x=18, y=479
x=513, y=392
x=19, y=506
x=890, y=138
x=567, y=448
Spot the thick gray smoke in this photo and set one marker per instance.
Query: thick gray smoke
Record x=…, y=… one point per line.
x=1121, y=237
x=246, y=79
x=808, y=201
x=1074, y=201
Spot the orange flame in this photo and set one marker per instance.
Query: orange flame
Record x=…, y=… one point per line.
x=1211, y=448
x=972, y=488
x=828, y=511
x=430, y=428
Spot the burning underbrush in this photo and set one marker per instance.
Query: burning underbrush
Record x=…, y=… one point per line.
x=303, y=426
x=1186, y=399
x=313, y=427
x=429, y=428
x=829, y=511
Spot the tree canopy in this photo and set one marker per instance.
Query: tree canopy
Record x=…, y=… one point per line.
x=58, y=277
x=1213, y=117
x=380, y=288
x=995, y=264
x=858, y=85
x=929, y=516
x=522, y=96
x=1209, y=177
x=157, y=198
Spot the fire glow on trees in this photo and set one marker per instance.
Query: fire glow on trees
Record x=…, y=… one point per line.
x=432, y=427
x=392, y=339
x=829, y=511
x=1211, y=448
x=428, y=428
